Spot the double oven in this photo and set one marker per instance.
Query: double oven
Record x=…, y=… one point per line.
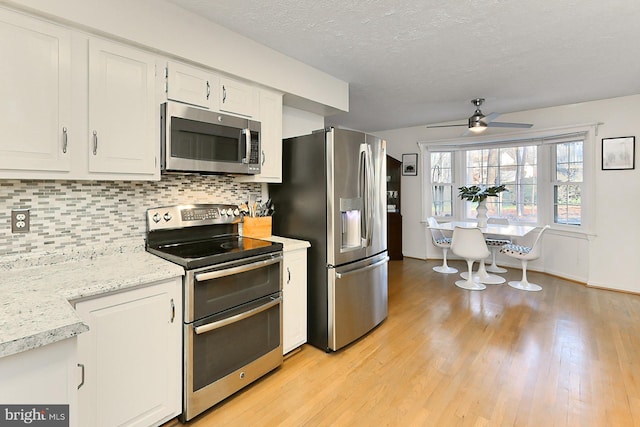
x=232, y=288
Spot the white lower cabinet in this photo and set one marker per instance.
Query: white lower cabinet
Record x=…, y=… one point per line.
x=294, y=295
x=131, y=357
x=41, y=376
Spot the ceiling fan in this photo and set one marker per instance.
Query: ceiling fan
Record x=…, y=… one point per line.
x=479, y=122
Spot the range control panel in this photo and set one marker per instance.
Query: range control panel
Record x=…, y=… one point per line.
x=182, y=216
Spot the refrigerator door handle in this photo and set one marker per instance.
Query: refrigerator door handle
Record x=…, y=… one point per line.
x=360, y=270
x=369, y=181
x=363, y=192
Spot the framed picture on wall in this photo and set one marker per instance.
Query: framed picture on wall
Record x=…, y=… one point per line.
x=619, y=153
x=410, y=164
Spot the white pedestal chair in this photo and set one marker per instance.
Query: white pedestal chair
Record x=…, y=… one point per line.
x=525, y=254
x=442, y=242
x=495, y=243
x=468, y=243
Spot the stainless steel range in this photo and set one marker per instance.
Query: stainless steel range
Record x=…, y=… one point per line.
x=232, y=332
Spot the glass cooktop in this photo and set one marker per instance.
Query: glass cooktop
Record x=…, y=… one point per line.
x=213, y=250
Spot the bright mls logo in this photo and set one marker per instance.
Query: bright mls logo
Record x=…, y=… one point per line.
x=34, y=415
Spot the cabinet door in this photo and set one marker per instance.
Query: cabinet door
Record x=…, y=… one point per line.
x=270, y=116
x=192, y=85
x=131, y=357
x=294, y=307
x=237, y=97
x=122, y=109
x=41, y=376
x=35, y=94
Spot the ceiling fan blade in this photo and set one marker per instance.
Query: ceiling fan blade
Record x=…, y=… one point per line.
x=447, y=126
x=508, y=125
x=490, y=117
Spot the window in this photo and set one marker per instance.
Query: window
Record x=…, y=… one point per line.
x=567, y=183
x=549, y=175
x=515, y=167
x=442, y=184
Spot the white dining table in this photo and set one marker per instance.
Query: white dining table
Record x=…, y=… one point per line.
x=493, y=229
x=497, y=229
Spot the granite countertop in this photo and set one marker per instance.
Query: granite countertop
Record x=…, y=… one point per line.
x=36, y=293
x=288, y=243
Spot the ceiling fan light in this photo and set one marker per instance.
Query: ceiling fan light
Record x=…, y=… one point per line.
x=476, y=125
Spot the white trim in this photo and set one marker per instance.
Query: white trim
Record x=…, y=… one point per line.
x=524, y=137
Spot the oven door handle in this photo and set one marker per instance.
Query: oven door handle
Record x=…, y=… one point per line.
x=201, y=277
x=238, y=317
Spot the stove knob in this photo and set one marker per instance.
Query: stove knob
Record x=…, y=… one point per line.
x=167, y=217
x=236, y=212
x=230, y=212
x=156, y=218
x=223, y=212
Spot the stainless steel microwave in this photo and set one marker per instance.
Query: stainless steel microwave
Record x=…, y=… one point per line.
x=203, y=141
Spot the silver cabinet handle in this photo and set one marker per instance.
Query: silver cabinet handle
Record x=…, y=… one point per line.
x=81, y=366
x=224, y=94
x=289, y=275
x=264, y=158
x=238, y=317
x=208, y=89
x=173, y=310
x=64, y=140
x=95, y=142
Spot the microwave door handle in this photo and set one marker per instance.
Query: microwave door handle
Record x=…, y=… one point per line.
x=247, y=144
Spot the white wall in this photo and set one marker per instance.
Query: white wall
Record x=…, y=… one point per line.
x=297, y=122
x=609, y=258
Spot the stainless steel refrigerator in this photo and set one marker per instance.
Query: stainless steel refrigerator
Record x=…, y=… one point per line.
x=333, y=195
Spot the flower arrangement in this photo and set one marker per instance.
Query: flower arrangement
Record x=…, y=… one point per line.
x=475, y=193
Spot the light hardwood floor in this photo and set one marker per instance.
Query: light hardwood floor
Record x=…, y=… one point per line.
x=566, y=356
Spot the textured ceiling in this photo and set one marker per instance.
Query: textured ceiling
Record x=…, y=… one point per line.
x=411, y=63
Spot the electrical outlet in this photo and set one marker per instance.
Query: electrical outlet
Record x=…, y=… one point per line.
x=20, y=220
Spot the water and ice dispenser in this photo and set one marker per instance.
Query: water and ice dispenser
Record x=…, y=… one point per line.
x=351, y=224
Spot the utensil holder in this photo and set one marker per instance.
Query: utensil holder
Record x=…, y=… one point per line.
x=257, y=227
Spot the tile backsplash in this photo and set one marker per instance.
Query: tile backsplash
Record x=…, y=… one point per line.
x=78, y=214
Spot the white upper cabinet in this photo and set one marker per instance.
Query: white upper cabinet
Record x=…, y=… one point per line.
x=237, y=97
x=122, y=109
x=191, y=85
x=48, y=132
x=270, y=117
x=35, y=104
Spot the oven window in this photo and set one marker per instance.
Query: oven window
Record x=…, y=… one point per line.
x=222, y=293
x=205, y=141
x=222, y=351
